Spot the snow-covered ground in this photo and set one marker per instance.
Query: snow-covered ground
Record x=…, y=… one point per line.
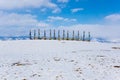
x=59, y=60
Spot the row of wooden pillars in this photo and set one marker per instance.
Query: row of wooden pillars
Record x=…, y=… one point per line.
x=61, y=35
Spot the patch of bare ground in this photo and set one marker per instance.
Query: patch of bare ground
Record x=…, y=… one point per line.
x=57, y=59
x=59, y=77
x=116, y=66
x=105, y=50
x=35, y=75
x=71, y=60
x=100, y=56
x=78, y=70
x=92, y=66
x=115, y=47
x=20, y=64
x=74, y=52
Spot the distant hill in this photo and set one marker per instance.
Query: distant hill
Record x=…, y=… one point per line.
x=3, y=38
x=98, y=39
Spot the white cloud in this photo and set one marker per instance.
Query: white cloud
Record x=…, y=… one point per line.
x=14, y=19
x=43, y=10
x=42, y=24
x=14, y=4
x=113, y=17
x=51, y=18
x=57, y=10
x=18, y=24
x=76, y=10
x=23, y=4
x=63, y=1
x=58, y=18
x=28, y=11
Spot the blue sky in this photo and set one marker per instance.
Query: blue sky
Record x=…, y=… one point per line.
x=18, y=16
x=92, y=11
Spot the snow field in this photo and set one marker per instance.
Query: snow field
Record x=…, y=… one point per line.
x=59, y=60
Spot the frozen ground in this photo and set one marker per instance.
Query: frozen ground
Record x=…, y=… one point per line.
x=59, y=60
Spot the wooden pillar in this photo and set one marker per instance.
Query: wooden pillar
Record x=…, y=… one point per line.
x=39, y=34
x=54, y=35
x=67, y=35
x=44, y=34
x=30, y=35
x=78, y=35
x=83, y=35
x=34, y=34
x=50, y=34
x=58, y=34
x=73, y=35
x=89, y=37
x=63, y=34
